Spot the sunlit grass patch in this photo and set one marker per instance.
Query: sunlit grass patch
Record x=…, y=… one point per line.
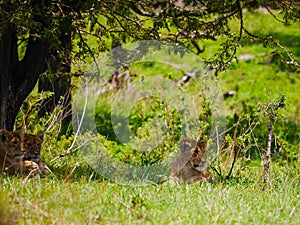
x=64, y=202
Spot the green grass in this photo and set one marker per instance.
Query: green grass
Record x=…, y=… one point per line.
x=50, y=201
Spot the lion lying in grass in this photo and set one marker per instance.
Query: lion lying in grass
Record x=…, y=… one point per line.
x=19, y=153
x=189, y=165
x=11, y=154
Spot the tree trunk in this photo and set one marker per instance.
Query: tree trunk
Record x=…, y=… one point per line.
x=18, y=78
x=8, y=62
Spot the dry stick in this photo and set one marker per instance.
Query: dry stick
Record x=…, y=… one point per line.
x=218, y=172
x=256, y=144
x=268, y=153
x=30, y=175
x=218, y=141
x=69, y=150
x=53, y=119
x=58, y=116
x=72, y=171
x=234, y=151
x=52, y=122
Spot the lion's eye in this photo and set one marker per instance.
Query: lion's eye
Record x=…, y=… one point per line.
x=29, y=145
x=15, y=143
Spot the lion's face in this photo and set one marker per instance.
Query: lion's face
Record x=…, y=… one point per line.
x=190, y=164
x=196, y=153
x=32, y=145
x=11, y=144
x=198, y=159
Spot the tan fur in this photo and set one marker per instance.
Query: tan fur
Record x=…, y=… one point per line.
x=30, y=168
x=189, y=165
x=11, y=153
x=32, y=145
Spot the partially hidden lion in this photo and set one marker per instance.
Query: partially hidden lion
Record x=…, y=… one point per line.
x=32, y=145
x=10, y=151
x=12, y=155
x=190, y=163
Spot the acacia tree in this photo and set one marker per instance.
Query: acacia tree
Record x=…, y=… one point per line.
x=34, y=38
x=47, y=30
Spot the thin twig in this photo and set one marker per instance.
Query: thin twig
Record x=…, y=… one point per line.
x=234, y=151
x=274, y=16
x=31, y=175
x=89, y=50
x=72, y=171
x=268, y=153
x=69, y=150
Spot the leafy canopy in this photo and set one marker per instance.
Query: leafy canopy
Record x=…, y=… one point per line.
x=182, y=21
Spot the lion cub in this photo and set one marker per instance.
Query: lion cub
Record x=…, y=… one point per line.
x=32, y=145
x=11, y=154
x=189, y=165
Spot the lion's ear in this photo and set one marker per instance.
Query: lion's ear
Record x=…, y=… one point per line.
x=20, y=133
x=4, y=135
x=202, y=145
x=187, y=144
x=40, y=134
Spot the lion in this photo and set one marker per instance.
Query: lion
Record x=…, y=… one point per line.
x=32, y=145
x=190, y=164
x=11, y=154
